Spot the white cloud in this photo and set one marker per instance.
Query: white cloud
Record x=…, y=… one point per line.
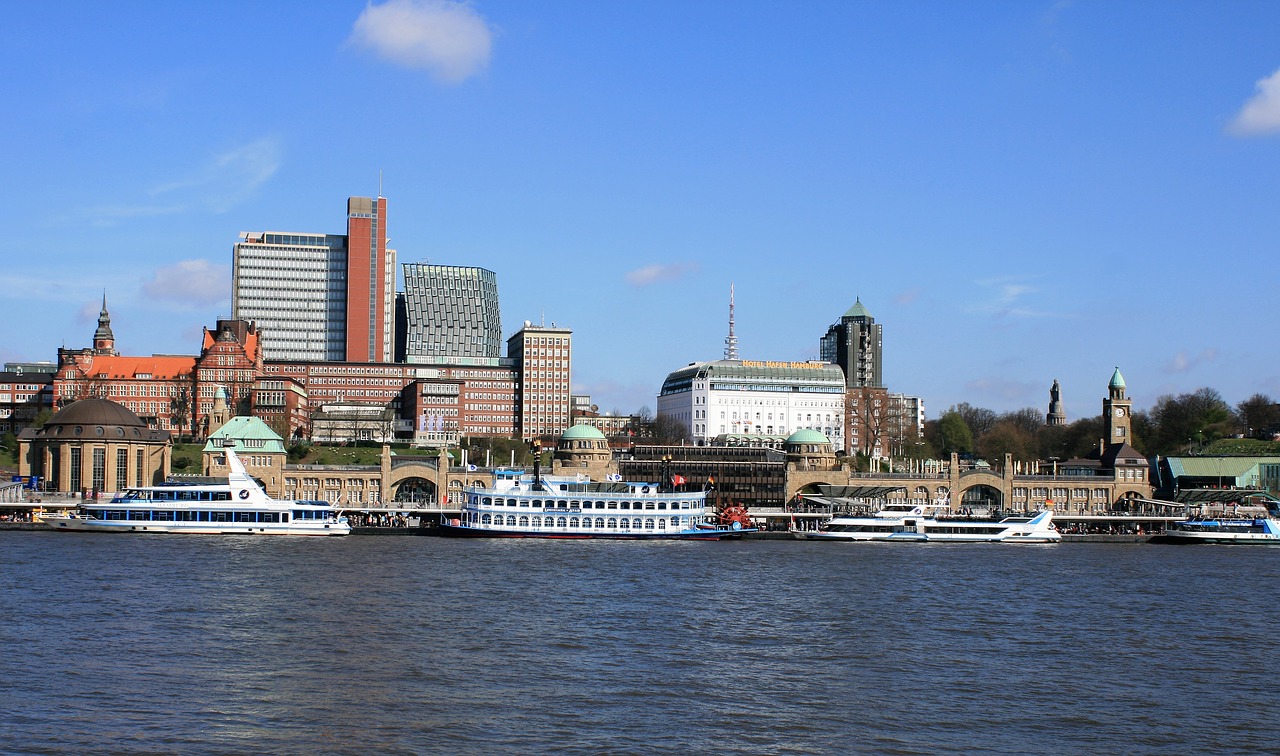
x=1184, y=363
x=656, y=273
x=228, y=178
x=1003, y=297
x=222, y=182
x=1261, y=114
x=447, y=39
x=193, y=283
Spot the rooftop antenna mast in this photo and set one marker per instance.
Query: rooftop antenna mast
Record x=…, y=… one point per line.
x=379, y=183
x=731, y=341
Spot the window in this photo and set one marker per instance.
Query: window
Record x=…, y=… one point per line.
x=122, y=469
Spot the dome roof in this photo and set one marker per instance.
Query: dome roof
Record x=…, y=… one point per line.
x=806, y=436
x=1117, y=380
x=95, y=412
x=583, y=433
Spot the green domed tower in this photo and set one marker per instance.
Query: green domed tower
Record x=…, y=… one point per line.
x=1117, y=412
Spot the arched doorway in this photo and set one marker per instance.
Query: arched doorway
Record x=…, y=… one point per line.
x=416, y=491
x=982, y=498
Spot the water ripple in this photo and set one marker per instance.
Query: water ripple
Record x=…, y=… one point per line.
x=406, y=645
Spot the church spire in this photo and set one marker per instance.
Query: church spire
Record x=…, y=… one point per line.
x=104, y=342
x=731, y=341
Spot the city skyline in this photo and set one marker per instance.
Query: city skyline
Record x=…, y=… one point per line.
x=1017, y=193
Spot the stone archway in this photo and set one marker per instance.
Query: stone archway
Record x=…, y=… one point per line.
x=415, y=490
x=981, y=496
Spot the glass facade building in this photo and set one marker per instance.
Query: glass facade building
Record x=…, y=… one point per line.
x=450, y=315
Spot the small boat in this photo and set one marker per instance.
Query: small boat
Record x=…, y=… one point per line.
x=933, y=524
x=1264, y=530
x=239, y=506
x=537, y=506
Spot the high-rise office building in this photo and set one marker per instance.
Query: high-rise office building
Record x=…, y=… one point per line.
x=855, y=343
x=325, y=297
x=542, y=357
x=371, y=282
x=450, y=315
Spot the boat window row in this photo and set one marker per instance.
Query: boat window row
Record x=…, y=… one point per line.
x=186, y=515
x=185, y=494
x=574, y=504
x=585, y=523
x=894, y=528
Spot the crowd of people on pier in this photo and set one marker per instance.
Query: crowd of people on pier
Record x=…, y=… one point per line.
x=379, y=520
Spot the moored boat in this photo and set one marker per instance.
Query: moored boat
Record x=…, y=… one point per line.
x=934, y=524
x=537, y=506
x=1263, y=529
x=239, y=506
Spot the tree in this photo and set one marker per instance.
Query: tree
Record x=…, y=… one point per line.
x=669, y=431
x=1028, y=419
x=978, y=419
x=180, y=409
x=871, y=408
x=902, y=432
x=954, y=434
x=1258, y=416
x=1082, y=438
x=1189, y=421
x=644, y=423
x=280, y=424
x=1007, y=437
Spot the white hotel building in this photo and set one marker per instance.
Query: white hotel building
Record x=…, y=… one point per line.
x=748, y=397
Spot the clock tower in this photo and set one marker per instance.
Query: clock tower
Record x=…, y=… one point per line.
x=1117, y=412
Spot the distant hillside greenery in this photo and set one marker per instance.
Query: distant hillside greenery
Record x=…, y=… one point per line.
x=1199, y=422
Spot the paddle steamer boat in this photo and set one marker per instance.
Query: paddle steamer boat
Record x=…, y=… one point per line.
x=537, y=506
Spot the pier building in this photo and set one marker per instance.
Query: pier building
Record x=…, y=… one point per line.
x=94, y=445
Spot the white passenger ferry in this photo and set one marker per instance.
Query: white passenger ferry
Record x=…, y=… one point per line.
x=521, y=506
x=933, y=524
x=237, y=506
x=1263, y=529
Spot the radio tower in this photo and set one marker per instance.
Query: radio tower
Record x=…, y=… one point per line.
x=731, y=341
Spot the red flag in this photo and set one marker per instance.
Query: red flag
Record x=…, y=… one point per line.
x=677, y=479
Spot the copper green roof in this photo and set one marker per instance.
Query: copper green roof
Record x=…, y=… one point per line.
x=806, y=436
x=583, y=433
x=1227, y=468
x=249, y=434
x=1117, y=380
x=857, y=311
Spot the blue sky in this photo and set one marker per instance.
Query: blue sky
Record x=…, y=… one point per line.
x=1017, y=191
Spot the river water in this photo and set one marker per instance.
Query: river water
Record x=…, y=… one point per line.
x=184, y=644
